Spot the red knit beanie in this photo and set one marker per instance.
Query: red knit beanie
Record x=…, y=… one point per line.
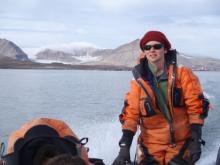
x=155, y=36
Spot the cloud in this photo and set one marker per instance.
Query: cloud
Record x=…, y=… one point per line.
x=160, y=7
x=198, y=35
x=111, y=23
x=191, y=39
x=24, y=25
x=115, y=5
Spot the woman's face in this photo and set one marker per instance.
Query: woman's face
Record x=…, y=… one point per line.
x=154, y=51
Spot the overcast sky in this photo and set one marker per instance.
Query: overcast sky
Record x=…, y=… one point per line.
x=192, y=26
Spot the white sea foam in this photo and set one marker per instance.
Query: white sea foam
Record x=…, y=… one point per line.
x=208, y=159
x=103, y=140
x=208, y=95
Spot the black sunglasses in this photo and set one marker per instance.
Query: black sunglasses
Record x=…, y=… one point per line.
x=155, y=46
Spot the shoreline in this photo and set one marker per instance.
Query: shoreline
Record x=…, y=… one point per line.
x=60, y=66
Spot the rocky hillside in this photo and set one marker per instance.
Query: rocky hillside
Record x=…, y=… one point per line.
x=124, y=55
x=11, y=50
x=198, y=63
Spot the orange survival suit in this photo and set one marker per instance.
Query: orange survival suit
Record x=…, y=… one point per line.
x=161, y=139
x=35, y=138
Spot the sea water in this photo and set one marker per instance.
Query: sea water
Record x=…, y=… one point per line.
x=89, y=102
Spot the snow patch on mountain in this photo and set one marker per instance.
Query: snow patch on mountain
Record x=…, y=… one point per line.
x=72, y=47
x=87, y=58
x=51, y=61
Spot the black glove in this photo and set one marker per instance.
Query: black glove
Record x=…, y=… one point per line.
x=123, y=157
x=195, y=145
